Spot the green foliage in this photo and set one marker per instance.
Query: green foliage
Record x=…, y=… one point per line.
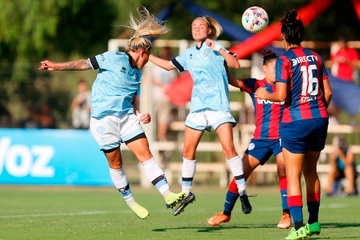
x=54, y=29
x=61, y=30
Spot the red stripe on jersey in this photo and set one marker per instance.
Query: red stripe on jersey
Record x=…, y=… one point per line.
x=297, y=69
x=274, y=132
x=304, y=108
x=259, y=112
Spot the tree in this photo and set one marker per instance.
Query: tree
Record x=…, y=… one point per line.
x=33, y=30
x=62, y=29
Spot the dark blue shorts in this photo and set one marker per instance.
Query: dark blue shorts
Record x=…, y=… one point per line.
x=263, y=149
x=305, y=135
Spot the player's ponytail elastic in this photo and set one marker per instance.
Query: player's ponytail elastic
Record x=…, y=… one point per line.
x=144, y=28
x=292, y=28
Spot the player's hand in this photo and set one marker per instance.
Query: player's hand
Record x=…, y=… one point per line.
x=212, y=45
x=145, y=118
x=47, y=65
x=261, y=93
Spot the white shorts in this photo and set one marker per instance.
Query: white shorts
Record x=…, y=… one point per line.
x=204, y=120
x=109, y=132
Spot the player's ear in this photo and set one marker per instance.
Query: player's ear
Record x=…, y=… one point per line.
x=142, y=52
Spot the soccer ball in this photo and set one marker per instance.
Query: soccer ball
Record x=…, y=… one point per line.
x=255, y=19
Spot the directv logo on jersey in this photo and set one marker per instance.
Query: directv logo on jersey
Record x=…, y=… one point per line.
x=310, y=58
x=261, y=101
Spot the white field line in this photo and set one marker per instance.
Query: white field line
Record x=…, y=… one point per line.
x=63, y=214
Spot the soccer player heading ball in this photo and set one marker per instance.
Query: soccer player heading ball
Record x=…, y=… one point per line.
x=207, y=62
x=115, y=117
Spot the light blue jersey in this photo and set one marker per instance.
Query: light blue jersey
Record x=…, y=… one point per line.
x=207, y=69
x=116, y=83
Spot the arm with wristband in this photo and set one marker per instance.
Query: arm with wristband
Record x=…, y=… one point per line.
x=230, y=59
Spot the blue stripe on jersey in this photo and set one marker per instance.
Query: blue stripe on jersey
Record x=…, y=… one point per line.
x=321, y=71
x=304, y=71
x=267, y=113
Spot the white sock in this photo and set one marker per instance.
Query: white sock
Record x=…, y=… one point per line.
x=237, y=169
x=121, y=182
x=156, y=176
x=188, y=172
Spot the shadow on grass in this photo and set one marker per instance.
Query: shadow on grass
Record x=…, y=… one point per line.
x=209, y=229
x=339, y=225
x=214, y=229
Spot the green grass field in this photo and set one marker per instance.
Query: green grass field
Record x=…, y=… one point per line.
x=28, y=212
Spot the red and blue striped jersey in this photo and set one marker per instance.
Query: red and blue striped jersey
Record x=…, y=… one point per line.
x=267, y=113
x=304, y=72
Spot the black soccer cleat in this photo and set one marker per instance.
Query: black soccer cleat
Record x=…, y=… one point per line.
x=182, y=205
x=245, y=204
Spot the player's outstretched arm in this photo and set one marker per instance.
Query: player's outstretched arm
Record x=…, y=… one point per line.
x=231, y=60
x=165, y=64
x=76, y=65
x=233, y=81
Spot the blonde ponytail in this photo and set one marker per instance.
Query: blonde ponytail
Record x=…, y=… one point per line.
x=215, y=26
x=146, y=27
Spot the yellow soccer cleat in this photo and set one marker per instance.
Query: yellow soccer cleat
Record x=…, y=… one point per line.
x=140, y=211
x=172, y=199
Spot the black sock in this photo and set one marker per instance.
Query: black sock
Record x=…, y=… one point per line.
x=227, y=213
x=311, y=221
x=298, y=225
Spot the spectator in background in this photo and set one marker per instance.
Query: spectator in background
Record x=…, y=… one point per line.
x=80, y=106
x=344, y=62
x=342, y=166
x=161, y=79
x=5, y=117
x=46, y=117
x=31, y=120
x=344, y=66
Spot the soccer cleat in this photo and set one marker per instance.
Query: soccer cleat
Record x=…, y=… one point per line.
x=313, y=228
x=182, y=205
x=285, y=221
x=219, y=218
x=245, y=204
x=172, y=199
x=297, y=234
x=140, y=211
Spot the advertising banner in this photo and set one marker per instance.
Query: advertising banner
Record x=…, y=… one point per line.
x=51, y=157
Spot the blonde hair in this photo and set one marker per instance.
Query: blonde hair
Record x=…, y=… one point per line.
x=146, y=27
x=216, y=28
